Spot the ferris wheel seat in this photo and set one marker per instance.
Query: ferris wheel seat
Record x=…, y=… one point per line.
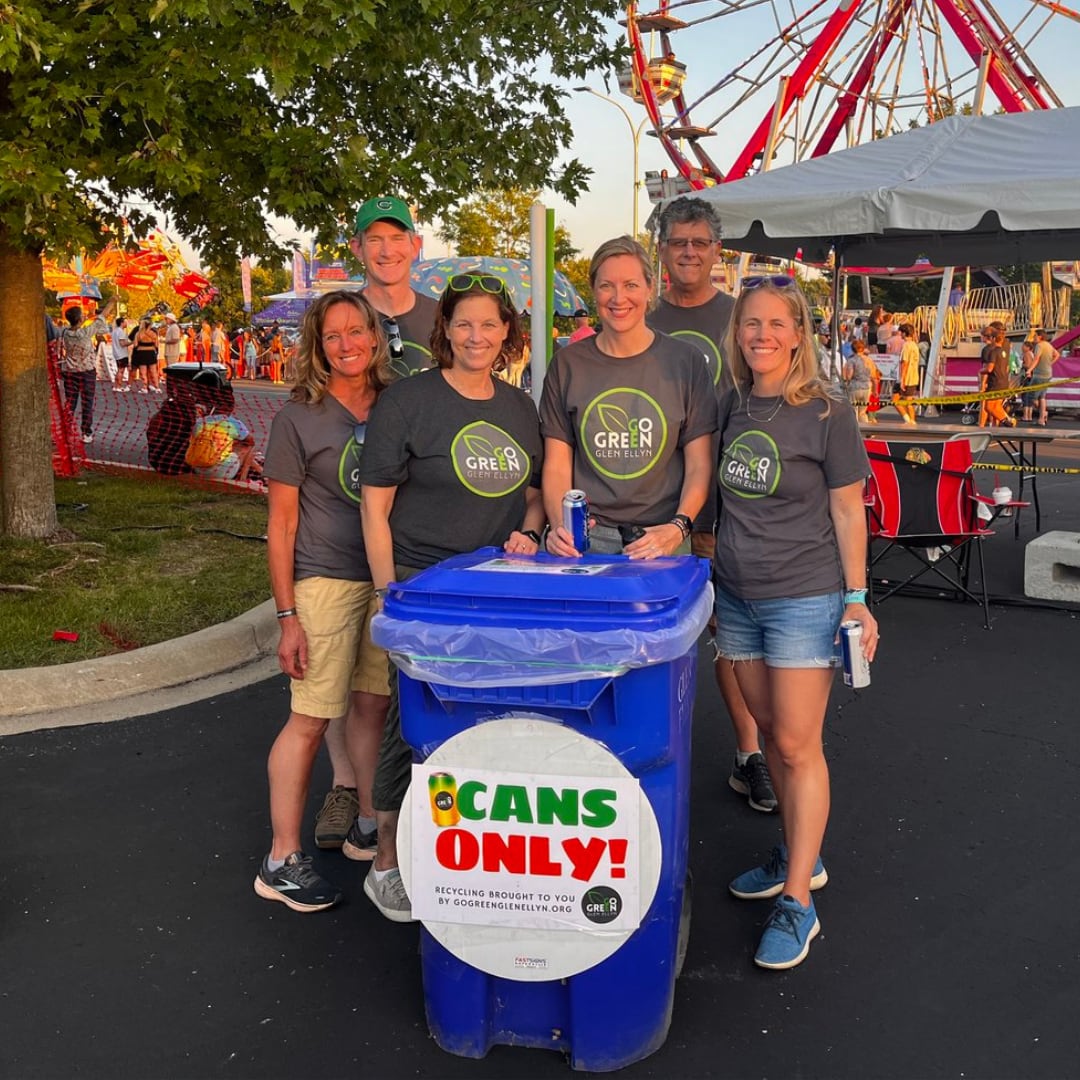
x=666, y=77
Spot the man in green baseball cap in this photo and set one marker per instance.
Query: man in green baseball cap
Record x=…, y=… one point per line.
x=385, y=241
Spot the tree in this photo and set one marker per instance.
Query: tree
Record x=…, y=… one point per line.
x=219, y=115
x=496, y=222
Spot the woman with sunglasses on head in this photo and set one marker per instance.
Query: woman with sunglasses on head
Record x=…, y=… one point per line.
x=322, y=586
x=790, y=565
x=453, y=464
x=628, y=418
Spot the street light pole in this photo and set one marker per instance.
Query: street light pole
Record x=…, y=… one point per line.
x=635, y=134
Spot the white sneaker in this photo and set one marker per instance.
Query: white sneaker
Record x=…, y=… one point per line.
x=88, y=438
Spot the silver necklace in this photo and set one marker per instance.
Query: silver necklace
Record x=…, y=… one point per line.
x=764, y=419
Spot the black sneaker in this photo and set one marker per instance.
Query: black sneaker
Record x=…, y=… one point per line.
x=296, y=884
x=752, y=780
x=360, y=846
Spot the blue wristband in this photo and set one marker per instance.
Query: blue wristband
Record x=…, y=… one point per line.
x=855, y=596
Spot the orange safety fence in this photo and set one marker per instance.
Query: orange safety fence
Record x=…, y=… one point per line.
x=137, y=426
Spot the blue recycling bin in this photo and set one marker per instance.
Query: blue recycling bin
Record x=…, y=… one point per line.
x=549, y=668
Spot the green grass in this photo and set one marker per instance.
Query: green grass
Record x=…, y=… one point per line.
x=138, y=561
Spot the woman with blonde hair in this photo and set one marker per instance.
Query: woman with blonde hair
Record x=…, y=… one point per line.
x=628, y=417
x=322, y=587
x=790, y=565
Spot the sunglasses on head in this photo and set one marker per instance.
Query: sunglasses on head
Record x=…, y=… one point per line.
x=777, y=281
x=359, y=432
x=394, y=344
x=488, y=282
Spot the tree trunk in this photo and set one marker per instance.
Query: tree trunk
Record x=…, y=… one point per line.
x=28, y=507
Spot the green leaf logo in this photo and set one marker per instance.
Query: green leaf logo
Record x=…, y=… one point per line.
x=478, y=445
x=613, y=418
x=743, y=453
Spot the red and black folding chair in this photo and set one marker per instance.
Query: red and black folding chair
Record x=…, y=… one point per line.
x=922, y=504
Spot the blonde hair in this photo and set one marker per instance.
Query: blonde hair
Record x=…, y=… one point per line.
x=802, y=383
x=620, y=245
x=312, y=367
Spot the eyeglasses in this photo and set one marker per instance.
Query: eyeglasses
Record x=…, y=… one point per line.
x=697, y=243
x=488, y=282
x=393, y=338
x=777, y=281
x=359, y=432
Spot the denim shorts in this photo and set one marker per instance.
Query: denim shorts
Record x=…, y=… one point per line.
x=789, y=632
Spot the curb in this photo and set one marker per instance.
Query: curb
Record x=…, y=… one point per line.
x=217, y=649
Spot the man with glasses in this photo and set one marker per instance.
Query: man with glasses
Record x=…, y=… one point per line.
x=692, y=308
x=385, y=241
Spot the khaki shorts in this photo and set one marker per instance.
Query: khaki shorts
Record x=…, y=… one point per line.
x=336, y=617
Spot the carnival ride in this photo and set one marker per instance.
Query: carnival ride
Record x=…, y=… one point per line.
x=137, y=269
x=832, y=75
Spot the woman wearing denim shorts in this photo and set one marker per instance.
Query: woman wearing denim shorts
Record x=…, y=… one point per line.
x=790, y=565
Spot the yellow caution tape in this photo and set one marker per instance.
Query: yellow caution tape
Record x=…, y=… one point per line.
x=1027, y=470
x=987, y=395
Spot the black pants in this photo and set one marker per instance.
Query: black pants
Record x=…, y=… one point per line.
x=81, y=384
x=394, y=768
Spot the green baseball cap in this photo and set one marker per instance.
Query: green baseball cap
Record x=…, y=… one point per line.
x=383, y=208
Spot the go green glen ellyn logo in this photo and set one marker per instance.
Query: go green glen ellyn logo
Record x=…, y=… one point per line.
x=750, y=466
x=624, y=432
x=488, y=461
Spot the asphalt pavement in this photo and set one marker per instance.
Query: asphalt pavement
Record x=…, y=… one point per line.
x=134, y=945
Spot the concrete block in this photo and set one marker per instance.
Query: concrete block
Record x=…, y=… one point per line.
x=1052, y=567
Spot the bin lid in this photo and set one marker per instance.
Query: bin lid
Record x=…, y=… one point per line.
x=592, y=592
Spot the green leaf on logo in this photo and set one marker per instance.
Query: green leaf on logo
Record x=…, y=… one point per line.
x=477, y=444
x=742, y=453
x=613, y=418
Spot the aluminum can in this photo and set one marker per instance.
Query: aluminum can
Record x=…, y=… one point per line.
x=856, y=666
x=442, y=791
x=575, y=518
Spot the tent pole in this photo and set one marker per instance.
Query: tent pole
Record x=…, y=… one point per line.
x=934, y=361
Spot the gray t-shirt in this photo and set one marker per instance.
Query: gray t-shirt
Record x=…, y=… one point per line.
x=461, y=467
x=627, y=420
x=415, y=327
x=1044, y=361
x=313, y=447
x=704, y=326
x=776, y=536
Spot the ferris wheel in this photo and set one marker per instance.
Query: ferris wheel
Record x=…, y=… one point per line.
x=835, y=74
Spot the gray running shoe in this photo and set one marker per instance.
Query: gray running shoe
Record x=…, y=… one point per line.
x=389, y=895
x=332, y=822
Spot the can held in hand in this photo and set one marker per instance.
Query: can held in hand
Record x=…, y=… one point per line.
x=575, y=518
x=856, y=666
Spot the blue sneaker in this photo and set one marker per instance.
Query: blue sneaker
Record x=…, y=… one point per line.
x=768, y=879
x=788, y=932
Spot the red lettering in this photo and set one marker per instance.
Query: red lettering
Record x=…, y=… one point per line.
x=504, y=853
x=540, y=857
x=457, y=849
x=585, y=857
x=617, y=854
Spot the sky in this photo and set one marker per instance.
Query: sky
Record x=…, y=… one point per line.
x=603, y=137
